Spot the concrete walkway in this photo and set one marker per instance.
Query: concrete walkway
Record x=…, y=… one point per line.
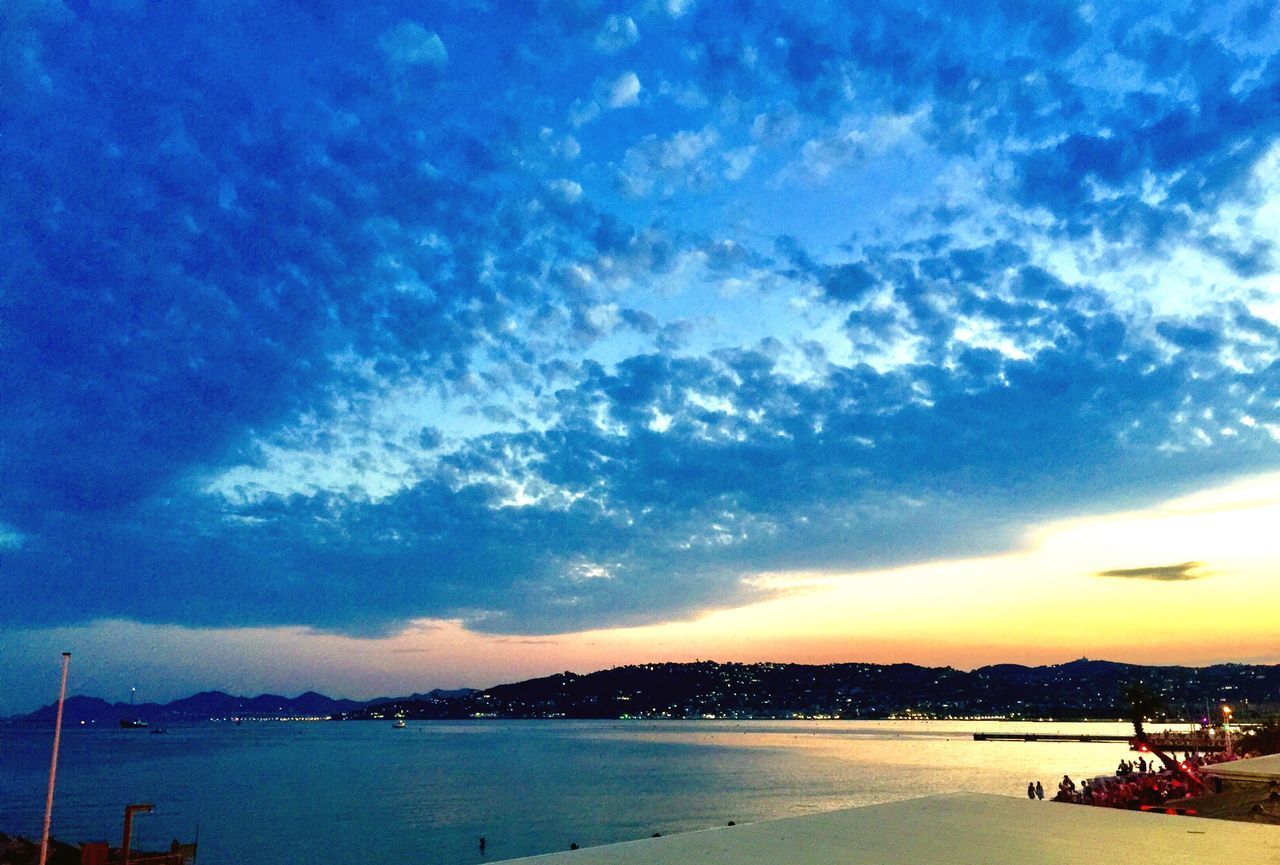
x=953, y=829
x=1259, y=770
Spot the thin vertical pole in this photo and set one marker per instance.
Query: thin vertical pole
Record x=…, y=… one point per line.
x=53, y=765
x=127, y=841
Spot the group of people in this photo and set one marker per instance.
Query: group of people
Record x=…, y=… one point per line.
x=1130, y=790
x=1134, y=785
x=1128, y=767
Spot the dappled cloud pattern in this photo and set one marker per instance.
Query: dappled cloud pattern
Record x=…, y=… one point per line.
x=549, y=316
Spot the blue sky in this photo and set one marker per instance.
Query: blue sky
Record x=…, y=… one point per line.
x=545, y=317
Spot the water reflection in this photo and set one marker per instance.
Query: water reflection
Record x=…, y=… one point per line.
x=278, y=793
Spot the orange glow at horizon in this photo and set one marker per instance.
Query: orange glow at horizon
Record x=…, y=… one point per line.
x=1043, y=603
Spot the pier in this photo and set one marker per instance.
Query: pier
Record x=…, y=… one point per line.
x=1170, y=741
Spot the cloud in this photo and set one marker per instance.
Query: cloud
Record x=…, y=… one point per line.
x=9, y=537
x=618, y=33
x=1159, y=573
x=352, y=344
x=738, y=161
x=568, y=191
x=821, y=157
x=676, y=8
x=751, y=469
x=411, y=44
x=684, y=159
x=625, y=91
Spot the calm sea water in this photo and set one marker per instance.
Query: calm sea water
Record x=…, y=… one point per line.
x=275, y=793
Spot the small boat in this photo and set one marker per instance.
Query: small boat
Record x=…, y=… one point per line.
x=399, y=724
x=134, y=723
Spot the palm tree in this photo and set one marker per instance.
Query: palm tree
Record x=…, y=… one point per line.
x=1144, y=703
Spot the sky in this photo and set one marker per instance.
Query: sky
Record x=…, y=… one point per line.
x=374, y=349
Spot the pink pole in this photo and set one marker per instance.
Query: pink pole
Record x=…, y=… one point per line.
x=53, y=766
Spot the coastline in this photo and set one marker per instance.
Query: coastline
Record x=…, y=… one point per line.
x=431, y=790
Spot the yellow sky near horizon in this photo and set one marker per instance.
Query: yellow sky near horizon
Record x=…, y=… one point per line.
x=1042, y=603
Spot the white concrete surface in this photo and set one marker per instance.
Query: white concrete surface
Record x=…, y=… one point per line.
x=953, y=829
x=1260, y=769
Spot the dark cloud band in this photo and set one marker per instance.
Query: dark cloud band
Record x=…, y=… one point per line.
x=1159, y=573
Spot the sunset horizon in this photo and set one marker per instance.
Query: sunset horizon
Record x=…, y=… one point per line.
x=445, y=345
x=805, y=617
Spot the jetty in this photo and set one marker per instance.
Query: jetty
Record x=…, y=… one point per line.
x=1047, y=737
x=1171, y=741
x=949, y=829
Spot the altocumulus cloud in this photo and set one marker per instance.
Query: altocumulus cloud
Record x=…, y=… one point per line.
x=411, y=44
x=399, y=334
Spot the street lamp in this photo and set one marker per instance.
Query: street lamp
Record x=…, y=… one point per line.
x=1226, y=727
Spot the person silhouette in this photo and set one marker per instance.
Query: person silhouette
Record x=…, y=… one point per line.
x=1039, y=791
x=1031, y=791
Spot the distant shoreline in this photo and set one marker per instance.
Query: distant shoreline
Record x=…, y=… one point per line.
x=1077, y=691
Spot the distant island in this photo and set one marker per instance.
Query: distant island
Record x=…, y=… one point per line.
x=1078, y=690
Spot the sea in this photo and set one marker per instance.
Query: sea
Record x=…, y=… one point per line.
x=285, y=793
